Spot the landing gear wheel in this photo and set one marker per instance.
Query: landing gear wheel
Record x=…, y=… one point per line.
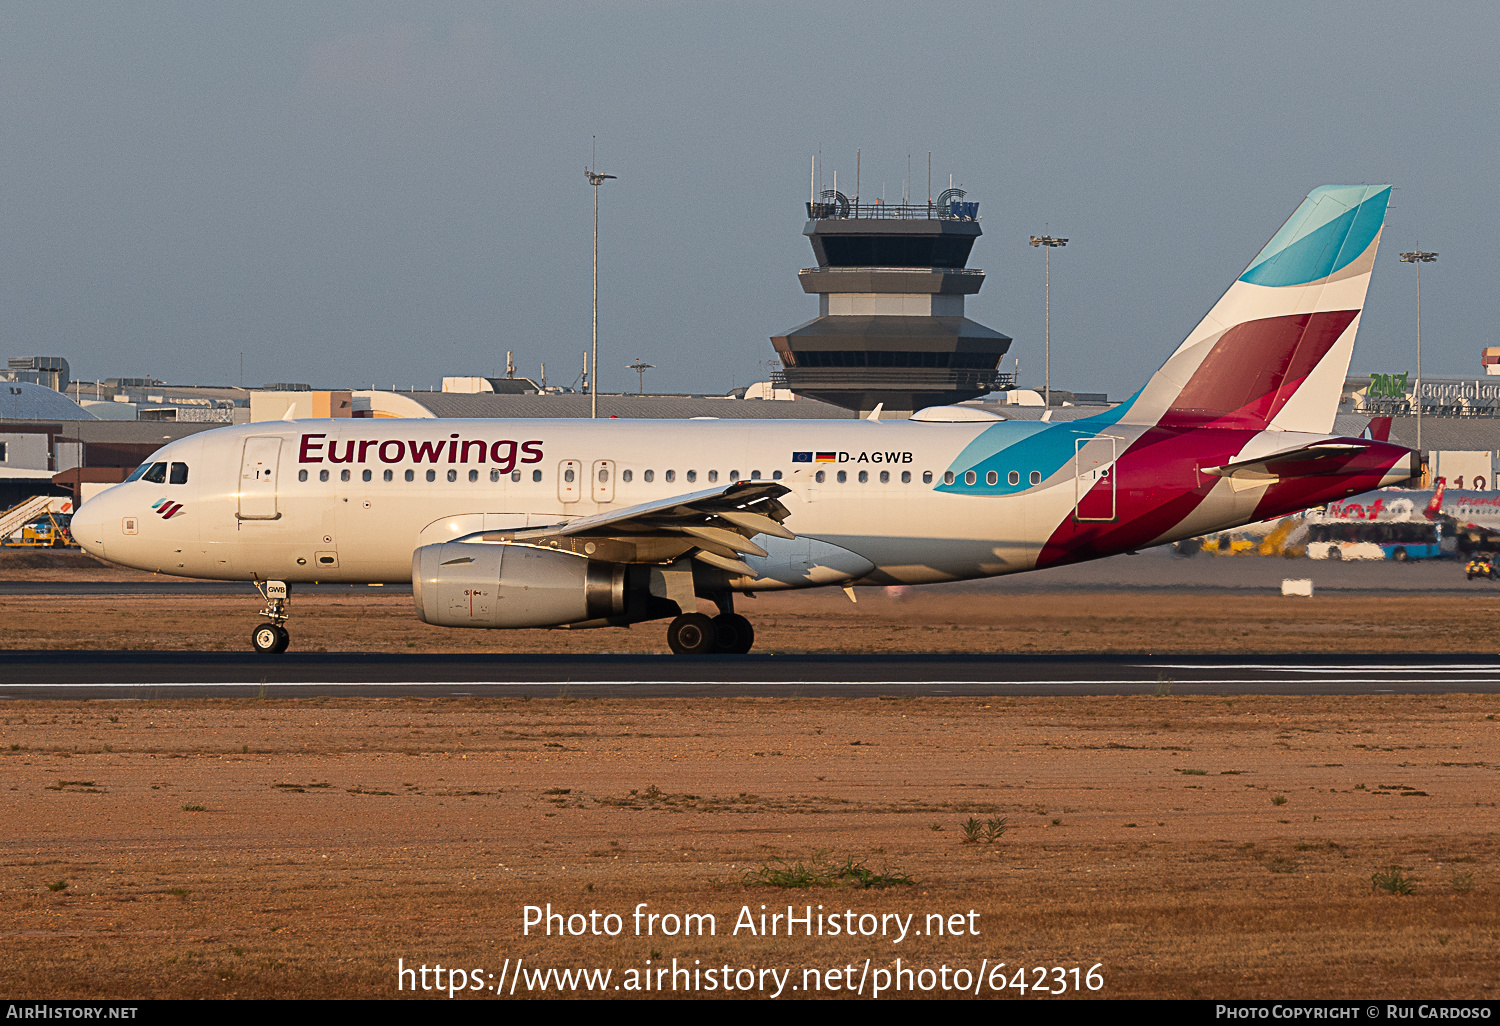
x=733, y=634
x=691, y=634
x=1400, y=555
x=268, y=639
x=1334, y=552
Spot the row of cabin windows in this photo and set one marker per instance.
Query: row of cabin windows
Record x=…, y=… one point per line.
x=411, y=475
x=991, y=478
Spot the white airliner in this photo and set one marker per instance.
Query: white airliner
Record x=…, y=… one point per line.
x=578, y=523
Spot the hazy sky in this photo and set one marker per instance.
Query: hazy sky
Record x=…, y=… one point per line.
x=385, y=192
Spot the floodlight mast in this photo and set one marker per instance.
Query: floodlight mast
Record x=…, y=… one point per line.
x=1419, y=257
x=596, y=180
x=1048, y=243
x=641, y=367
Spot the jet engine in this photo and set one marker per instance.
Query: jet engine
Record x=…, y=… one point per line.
x=466, y=584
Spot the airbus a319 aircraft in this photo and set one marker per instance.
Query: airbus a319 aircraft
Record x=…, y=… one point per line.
x=586, y=523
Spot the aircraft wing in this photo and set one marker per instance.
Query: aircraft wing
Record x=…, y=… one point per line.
x=716, y=525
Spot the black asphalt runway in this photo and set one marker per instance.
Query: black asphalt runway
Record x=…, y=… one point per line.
x=159, y=675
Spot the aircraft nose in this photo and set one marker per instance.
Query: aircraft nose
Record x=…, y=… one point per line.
x=88, y=526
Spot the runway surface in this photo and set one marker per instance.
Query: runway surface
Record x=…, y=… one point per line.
x=160, y=675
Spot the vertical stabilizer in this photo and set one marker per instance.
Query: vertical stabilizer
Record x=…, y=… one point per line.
x=1274, y=351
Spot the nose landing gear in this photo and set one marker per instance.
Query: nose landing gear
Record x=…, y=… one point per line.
x=272, y=638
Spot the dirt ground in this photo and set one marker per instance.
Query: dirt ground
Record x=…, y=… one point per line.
x=1187, y=846
x=1178, y=846
x=367, y=620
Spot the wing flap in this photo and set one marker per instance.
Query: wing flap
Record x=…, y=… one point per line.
x=715, y=525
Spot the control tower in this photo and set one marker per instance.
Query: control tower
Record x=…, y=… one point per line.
x=891, y=281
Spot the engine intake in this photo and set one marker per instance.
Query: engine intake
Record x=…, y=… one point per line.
x=464, y=584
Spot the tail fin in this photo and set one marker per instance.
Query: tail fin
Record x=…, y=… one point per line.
x=1435, y=504
x=1379, y=429
x=1274, y=351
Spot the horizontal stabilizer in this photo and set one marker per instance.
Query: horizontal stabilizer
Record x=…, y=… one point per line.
x=1298, y=462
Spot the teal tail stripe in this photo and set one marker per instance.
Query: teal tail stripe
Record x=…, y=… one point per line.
x=1330, y=230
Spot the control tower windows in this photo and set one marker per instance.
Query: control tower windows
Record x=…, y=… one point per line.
x=897, y=250
x=881, y=358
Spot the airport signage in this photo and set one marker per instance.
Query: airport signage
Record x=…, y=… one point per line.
x=1460, y=390
x=1399, y=386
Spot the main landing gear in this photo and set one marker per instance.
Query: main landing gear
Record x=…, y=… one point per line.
x=725, y=634
x=272, y=638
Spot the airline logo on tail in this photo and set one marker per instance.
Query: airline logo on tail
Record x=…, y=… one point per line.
x=1274, y=351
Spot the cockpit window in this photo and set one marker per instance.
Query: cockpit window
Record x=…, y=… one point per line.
x=157, y=474
x=135, y=475
x=178, y=474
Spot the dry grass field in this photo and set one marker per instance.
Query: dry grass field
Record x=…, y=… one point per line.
x=1194, y=847
x=1187, y=846
x=927, y=620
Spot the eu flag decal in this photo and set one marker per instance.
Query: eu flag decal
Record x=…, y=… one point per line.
x=801, y=457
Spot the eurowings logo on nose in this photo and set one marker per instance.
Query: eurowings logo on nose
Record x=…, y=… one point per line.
x=167, y=508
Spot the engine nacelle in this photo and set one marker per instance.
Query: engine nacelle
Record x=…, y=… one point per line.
x=463, y=584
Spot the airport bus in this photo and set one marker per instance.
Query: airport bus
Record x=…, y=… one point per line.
x=1381, y=525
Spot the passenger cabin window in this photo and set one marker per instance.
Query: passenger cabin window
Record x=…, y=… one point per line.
x=389, y=475
x=626, y=475
x=885, y=477
x=156, y=474
x=671, y=476
x=927, y=477
x=713, y=476
x=947, y=477
x=1036, y=477
x=536, y=475
x=178, y=474
x=775, y=475
x=432, y=475
x=692, y=475
x=322, y=475
x=411, y=475
x=843, y=477
x=366, y=475
x=648, y=476
x=301, y=475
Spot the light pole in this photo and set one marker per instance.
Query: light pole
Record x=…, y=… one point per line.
x=1419, y=257
x=1048, y=244
x=596, y=180
x=641, y=369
